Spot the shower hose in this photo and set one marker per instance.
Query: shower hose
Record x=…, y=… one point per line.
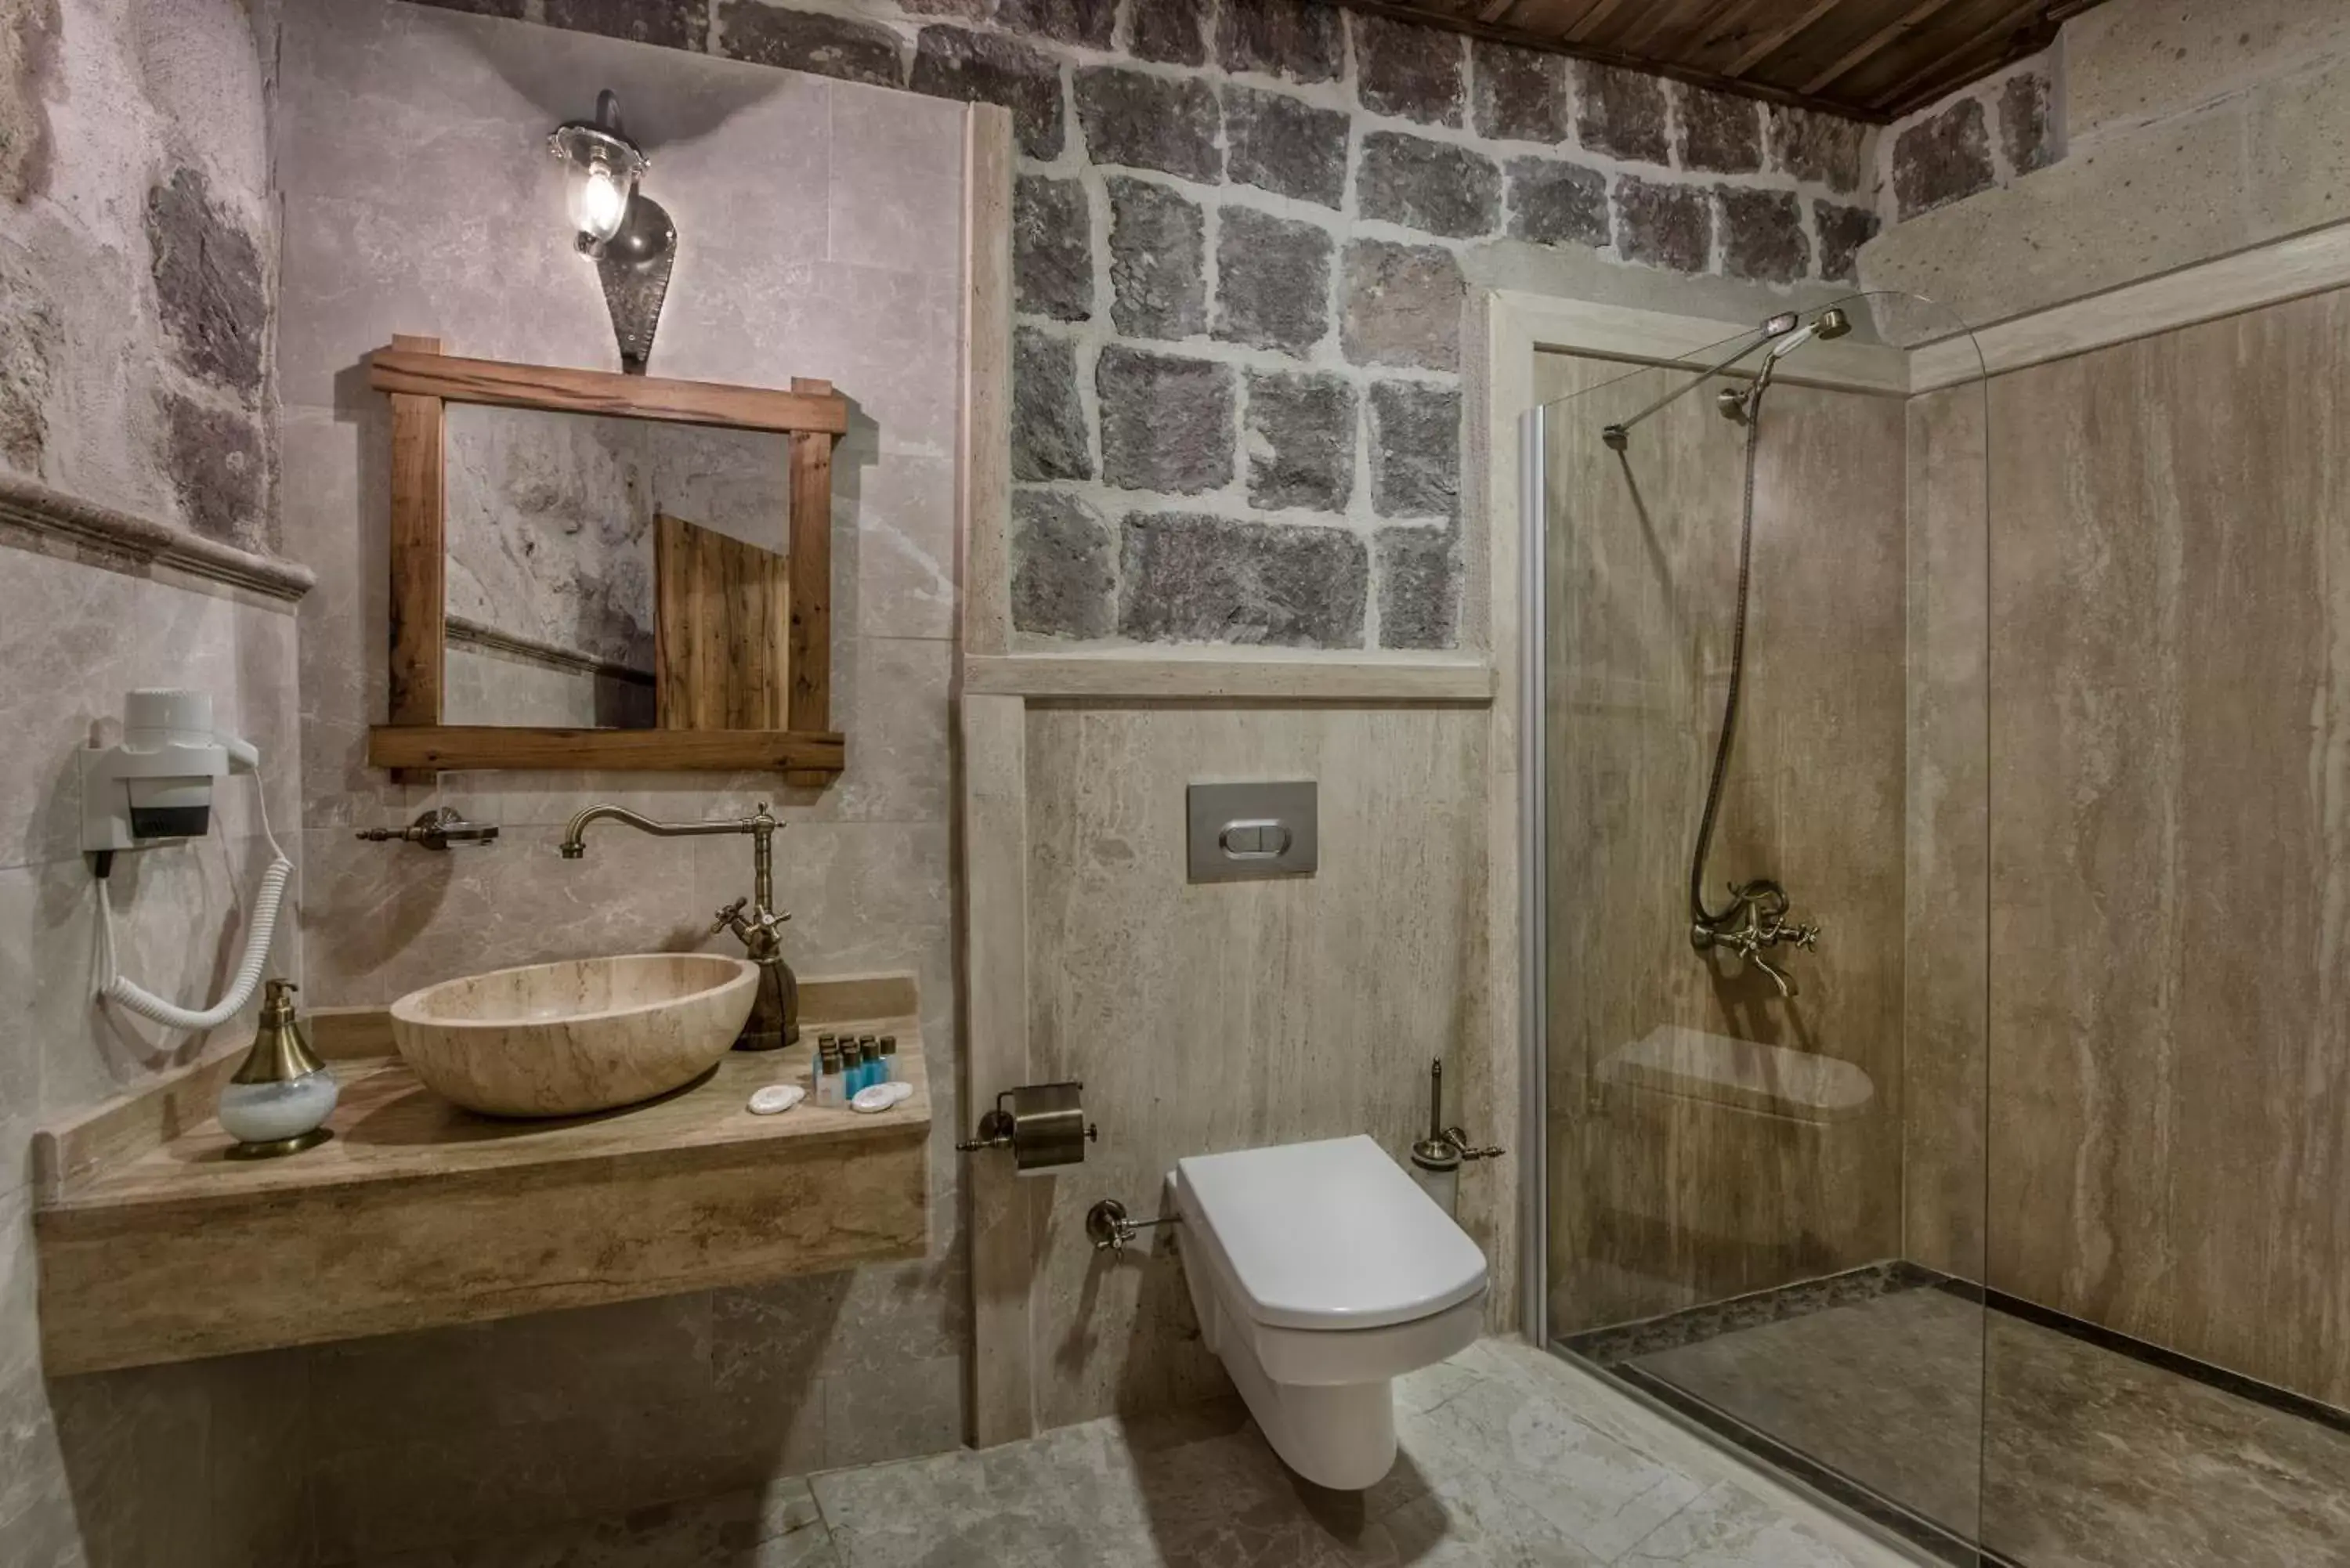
x=124, y=993
x=1699, y=914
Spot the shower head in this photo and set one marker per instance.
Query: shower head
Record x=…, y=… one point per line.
x=1779, y=337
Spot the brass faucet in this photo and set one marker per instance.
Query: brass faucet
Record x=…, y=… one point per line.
x=775, y=1020
x=1764, y=905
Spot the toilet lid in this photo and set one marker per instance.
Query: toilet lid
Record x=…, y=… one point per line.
x=1329, y=1235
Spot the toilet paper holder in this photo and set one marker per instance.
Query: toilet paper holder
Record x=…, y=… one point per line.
x=1044, y=1125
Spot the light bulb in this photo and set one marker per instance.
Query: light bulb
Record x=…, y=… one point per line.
x=602, y=201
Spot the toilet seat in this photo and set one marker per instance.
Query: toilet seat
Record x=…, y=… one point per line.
x=1327, y=1236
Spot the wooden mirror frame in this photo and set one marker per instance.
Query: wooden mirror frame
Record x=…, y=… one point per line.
x=421, y=381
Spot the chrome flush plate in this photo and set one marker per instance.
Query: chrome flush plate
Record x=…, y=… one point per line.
x=1239, y=832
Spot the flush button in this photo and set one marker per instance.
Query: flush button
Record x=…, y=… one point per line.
x=1251, y=830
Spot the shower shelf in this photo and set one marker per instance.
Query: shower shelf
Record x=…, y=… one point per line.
x=154, y=1247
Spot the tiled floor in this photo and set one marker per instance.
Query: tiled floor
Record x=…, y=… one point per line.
x=1510, y=1458
x=2087, y=1458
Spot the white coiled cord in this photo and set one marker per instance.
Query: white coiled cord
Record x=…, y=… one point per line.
x=124, y=993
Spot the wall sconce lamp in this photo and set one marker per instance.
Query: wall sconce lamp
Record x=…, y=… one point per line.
x=628, y=233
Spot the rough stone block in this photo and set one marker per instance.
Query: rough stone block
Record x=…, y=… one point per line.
x=980, y=67
x=1554, y=202
x=210, y=290
x=1299, y=434
x=1763, y=234
x=1434, y=186
x=1402, y=305
x=971, y=10
x=1172, y=32
x=812, y=41
x=1190, y=578
x=1721, y=133
x=1048, y=421
x=1415, y=449
x=1086, y=22
x=672, y=24
x=1158, y=261
x=220, y=469
x=1276, y=143
x=1298, y=39
x=1052, y=248
x=1843, y=230
x=1166, y=422
x=1273, y=281
x=1825, y=149
x=1147, y=121
x=1411, y=71
x=1520, y=94
x=1063, y=566
x=28, y=343
x=1668, y=226
x=1941, y=159
x=2026, y=131
x=29, y=30
x=1623, y=113
x=1419, y=587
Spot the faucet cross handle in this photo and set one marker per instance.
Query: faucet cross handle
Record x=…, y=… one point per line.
x=729, y=915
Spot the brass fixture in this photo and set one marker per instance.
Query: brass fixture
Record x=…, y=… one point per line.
x=280, y=1056
x=1764, y=905
x=775, y=1020
x=440, y=830
x=1044, y=1125
x=1445, y=1147
x=1110, y=1229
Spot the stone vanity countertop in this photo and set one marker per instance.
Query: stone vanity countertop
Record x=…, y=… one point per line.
x=156, y=1247
x=389, y=1128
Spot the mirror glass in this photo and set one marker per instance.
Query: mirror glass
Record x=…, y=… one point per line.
x=614, y=573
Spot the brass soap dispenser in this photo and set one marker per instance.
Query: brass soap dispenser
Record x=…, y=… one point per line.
x=281, y=1095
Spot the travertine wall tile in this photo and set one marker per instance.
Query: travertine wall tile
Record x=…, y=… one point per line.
x=1230, y=1015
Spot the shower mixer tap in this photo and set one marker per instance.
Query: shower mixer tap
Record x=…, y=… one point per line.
x=1765, y=905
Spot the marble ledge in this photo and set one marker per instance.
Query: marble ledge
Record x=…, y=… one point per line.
x=34, y=515
x=1219, y=672
x=155, y=1247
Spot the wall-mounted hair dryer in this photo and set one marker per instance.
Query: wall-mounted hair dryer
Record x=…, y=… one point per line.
x=155, y=789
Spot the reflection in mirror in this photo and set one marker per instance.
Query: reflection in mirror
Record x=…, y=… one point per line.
x=614, y=573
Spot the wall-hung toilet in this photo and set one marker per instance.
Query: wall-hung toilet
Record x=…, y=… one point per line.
x=1320, y=1274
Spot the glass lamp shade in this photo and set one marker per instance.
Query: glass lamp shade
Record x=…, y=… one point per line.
x=600, y=174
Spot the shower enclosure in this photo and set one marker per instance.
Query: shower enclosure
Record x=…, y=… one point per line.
x=1803, y=1010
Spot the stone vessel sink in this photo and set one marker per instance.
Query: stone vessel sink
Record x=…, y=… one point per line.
x=565, y=1039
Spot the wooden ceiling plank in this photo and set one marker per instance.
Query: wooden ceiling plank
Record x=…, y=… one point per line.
x=1679, y=27
x=1852, y=58
x=1876, y=42
x=1593, y=19
x=1773, y=39
x=2018, y=30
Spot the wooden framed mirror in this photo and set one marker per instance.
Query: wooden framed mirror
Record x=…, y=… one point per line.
x=635, y=572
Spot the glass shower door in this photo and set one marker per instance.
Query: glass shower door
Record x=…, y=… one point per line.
x=1762, y=1046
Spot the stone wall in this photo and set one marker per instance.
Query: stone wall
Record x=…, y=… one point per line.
x=2190, y=128
x=137, y=259
x=1245, y=229
x=1987, y=133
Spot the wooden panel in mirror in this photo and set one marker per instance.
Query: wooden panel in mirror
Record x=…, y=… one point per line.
x=599, y=570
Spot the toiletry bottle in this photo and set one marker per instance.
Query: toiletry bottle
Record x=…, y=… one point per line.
x=889, y=1059
x=828, y=1089
x=868, y=1054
